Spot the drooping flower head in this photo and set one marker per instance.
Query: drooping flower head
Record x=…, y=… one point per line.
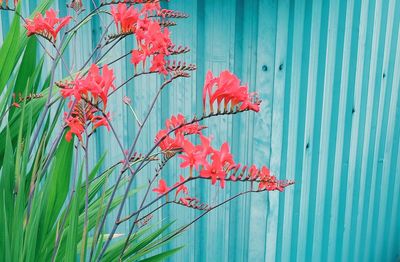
x=162, y=187
x=47, y=26
x=125, y=18
x=85, y=94
x=226, y=88
x=153, y=41
x=182, y=187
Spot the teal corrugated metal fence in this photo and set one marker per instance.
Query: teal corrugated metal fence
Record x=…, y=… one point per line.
x=329, y=76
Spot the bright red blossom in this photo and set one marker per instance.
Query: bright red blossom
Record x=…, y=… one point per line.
x=162, y=187
x=268, y=182
x=125, y=18
x=226, y=88
x=168, y=143
x=182, y=187
x=48, y=26
x=215, y=171
x=152, y=40
x=137, y=57
x=87, y=92
x=158, y=64
x=192, y=156
x=178, y=120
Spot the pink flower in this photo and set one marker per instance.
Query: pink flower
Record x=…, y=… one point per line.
x=225, y=156
x=192, y=156
x=162, y=187
x=226, y=88
x=92, y=89
x=214, y=171
x=76, y=127
x=268, y=182
x=125, y=18
x=48, y=26
x=182, y=187
x=178, y=120
x=137, y=57
x=253, y=171
x=169, y=143
x=158, y=64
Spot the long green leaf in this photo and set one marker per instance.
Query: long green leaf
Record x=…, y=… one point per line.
x=9, y=52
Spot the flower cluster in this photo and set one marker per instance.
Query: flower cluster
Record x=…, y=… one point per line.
x=211, y=163
x=226, y=87
x=88, y=92
x=152, y=40
x=48, y=26
x=178, y=126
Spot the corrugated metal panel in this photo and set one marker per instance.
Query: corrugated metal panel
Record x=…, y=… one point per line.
x=328, y=72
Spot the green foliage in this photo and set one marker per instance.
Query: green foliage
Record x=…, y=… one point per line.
x=42, y=211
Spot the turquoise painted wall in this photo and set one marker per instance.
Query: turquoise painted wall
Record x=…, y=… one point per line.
x=329, y=76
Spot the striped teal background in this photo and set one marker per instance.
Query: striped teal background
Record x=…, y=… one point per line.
x=329, y=76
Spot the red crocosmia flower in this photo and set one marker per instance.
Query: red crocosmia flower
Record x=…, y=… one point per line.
x=253, y=171
x=101, y=121
x=137, y=57
x=48, y=26
x=182, y=187
x=268, y=182
x=176, y=121
x=75, y=127
x=94, y=84
x=192, y=157
x=208, y=85
x=152, y=39
x=125, y=18
x=214, y=171
x=87, y=92
x=99, y=84
x=162, y=187
x=169, y=143
x=226, y=88
x=225, y=155
x=205, y=145
x=158, y=64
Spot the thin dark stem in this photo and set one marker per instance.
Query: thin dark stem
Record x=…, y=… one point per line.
x=151, y=150
x=119, y=58
x=128, y=80
x=47, y=105
x=203, y=214
x=56, y=142
x=126, y=159
x=132, y=176
x=158, y=172
x=155, y=200
x=154, y=210
x=99, y=46
x=108, y=50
